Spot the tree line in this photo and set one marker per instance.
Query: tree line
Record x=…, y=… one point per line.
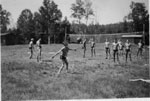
x=48, y=24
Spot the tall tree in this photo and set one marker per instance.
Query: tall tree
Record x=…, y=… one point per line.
x=50, y=15
x=78, y=10
x=4, y=19
x=25, y=24
x=88, y=9
x=139, y=16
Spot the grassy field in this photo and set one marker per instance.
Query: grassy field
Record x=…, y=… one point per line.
x=89, y=78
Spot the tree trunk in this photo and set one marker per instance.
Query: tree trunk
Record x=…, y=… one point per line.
x=49, y=39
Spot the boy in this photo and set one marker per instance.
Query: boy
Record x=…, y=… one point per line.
x=31, y=47
x=140, y=48
x=39, y=48
x=92, y=48
x=115, y=46
x=84, y=47
x=64, y=50
x=107, y=48
x=128, y=50
x=120, y=47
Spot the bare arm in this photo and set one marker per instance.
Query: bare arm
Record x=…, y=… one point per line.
x=57, y=53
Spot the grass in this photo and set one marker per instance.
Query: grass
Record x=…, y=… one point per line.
x=89, y=78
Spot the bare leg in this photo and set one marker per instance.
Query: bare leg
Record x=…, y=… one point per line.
x=94, y=52
x=66, y=63
x=84, y=52
x=91, y=52
x=126, y=55
x=114, y=53
x=106, y=53
x=137, y=52
x=31, y=53
x=130, y=56
x=60, y=69
x=117, y=56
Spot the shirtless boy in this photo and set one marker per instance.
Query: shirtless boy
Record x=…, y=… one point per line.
x=31, y=47
x=115, y=46
x=107, y=48
x=39, y=49
x=92, y=48
x=128, y=50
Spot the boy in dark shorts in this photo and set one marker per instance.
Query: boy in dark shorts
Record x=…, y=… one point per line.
x=64, y=50
x=128, y=50
x=31, y=47
x=140, y=48
x=39, y=49
x=107, y=48
x=115, y=46
x=92, y=48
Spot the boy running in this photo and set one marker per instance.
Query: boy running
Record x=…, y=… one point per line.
x=107, y=48
x=31, y=47
x=39, y=48
x=64, y=50
x=140, y=48
x=115, y=46
x=92, y=48
x=128, y=50
x=84, y=47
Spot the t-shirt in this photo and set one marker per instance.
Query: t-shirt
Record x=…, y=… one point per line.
x=38, y=44
x=65, y=51
x=115, y=46
x=120, y=45
x=92, y=44
x=127, y=45
x=107, y=44
x=84, y=43
x=31, y=44
x=140, y=45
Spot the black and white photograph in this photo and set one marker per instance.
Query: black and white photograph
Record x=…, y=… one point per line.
x=74, y=50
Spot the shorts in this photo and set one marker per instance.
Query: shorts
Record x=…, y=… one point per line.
x=30, y=47
x=84, y=48
x=63, y=57
x=140, y=49
x=121, y=49
x=127, y=50
x=92, y=47
x=115, y=51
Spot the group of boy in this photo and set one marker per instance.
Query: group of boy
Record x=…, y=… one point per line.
x=117, y=47
x=121, y=49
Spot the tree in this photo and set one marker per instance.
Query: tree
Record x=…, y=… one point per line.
x=139, y=16
x=4, y=19
x=50, y=15
x=78, y=10
x=88, y=9
x=25, y=24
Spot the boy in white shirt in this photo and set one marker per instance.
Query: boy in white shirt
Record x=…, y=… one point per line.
x=128, y=50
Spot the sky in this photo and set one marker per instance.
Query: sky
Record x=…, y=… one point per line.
x=106, y=11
